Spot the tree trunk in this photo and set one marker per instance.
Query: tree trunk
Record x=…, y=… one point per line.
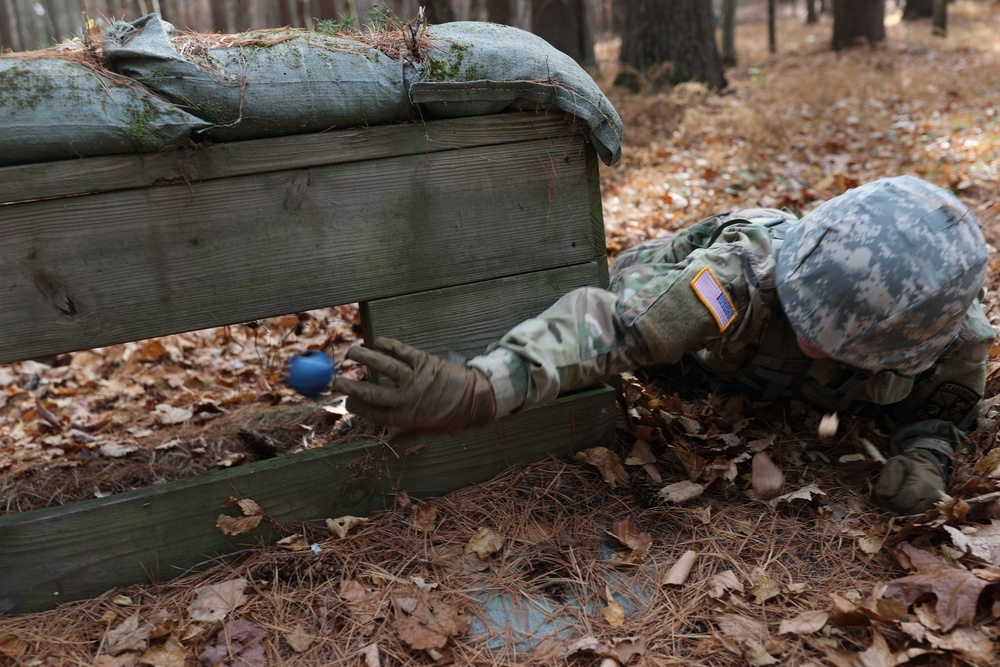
x=812, y=17
x=439, y=11
x=563, y=24
x=477, y=10
x=501, y=11
x=8, y=28
x=940, y=19
x=729, y=33
x=918, y=9
x=772, y=37
x=680, y=31
x=854, y=19
x=647, y=34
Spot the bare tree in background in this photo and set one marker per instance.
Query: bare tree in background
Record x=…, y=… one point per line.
x=812, y=16
x=939, y=20
x=918, y=9
x=675, y=31
x=501, y=11
x=729, y=33
x=772, y=36
x=854, y=19
x=439, y=11
x=566, y=25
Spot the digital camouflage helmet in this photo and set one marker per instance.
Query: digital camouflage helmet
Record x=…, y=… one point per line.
x=881, y=277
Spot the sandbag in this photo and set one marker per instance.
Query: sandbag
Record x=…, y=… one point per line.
x=59, y=105
x=262, y=84
x=474, y=68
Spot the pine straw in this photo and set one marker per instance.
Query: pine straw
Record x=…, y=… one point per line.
x=556, y=516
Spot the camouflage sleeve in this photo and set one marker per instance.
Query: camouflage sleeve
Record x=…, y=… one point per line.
x=656, y=309
x=950, y=395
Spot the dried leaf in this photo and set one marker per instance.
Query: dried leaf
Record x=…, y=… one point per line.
x=115, y=451
x=723, y=582
x=641, y=454
x=972, y=645
x=742, y=629
x=170, y=654
x=215, y=602
x=766, y=478
x=237, y=644
x=756, y=655
x=485, y=543
x=370, y=654
x=680, y=570
x=351, y=590
x=764, y=587
x=430, y=624
x=983, y=542
x=876, y=536
x=130, y=635
x=343, y=525
x=626, y=532
x=680, y=492
x=168, y=414
x=425, y=517
x=607, y=463
x=877, y=655
x=956, y=591
x=298, y=640
x=236, y=525
x=805, y=623
x=614, y=613
x=828, y=425
x=294, y=543
x=805, y=493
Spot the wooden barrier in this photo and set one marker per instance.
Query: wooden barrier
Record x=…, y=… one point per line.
x=447, y=233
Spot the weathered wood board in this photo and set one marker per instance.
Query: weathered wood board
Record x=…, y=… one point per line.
x=65, y=553
x=447, y=233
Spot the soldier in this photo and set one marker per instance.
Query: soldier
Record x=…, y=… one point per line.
x=871, y=304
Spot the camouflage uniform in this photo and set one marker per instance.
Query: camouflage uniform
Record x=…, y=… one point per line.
x=717, y=293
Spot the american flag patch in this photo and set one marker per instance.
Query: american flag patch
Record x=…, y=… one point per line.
x=709, y=290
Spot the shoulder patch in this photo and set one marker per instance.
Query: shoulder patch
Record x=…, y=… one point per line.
x=710, y=292
x=951, y=401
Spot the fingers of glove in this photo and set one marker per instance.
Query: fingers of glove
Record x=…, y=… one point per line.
x=909, y=485
x=369, y=394
x=892, y=478
x=382, y=363
x=410, y=355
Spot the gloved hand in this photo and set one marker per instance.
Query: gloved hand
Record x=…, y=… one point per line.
x=431, y=395
x=910, y=482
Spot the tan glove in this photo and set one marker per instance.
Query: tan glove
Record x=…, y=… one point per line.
x=910, y=482
x=431, y=395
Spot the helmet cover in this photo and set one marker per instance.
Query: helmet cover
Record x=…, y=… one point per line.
x=881, y=277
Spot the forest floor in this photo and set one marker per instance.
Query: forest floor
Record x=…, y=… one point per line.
x=630, y=575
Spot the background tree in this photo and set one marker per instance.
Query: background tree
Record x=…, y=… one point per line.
x=501, y=11
x=675, y=31
x=439, y=11
x=812, y=16
x=566, y=25
x=772, y=36
x=918, y=9
x=939, y=20
x=854, y=19
x=729, y=33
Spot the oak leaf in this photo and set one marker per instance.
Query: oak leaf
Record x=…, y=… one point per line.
x=956, y=591
x=608, y=463
x=237, y=644
x=429, y=623
x=215, y=602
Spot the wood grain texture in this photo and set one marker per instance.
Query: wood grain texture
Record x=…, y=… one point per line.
x=65, y=553
x=185, y=165
x=464, y=319
x=84, y=272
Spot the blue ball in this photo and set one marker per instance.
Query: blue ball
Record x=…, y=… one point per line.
x=310, y=374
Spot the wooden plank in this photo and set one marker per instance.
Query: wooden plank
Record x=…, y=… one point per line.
x=90, y=271
x=65, y=553
x=464, y=319
x=122, y=172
